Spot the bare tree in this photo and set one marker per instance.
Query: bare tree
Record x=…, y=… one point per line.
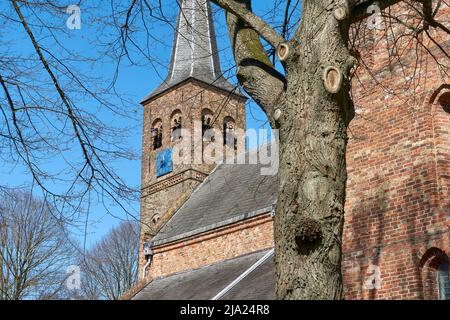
x=53, y=114
x=110, y=268
x=310, y=103
x=34, y=250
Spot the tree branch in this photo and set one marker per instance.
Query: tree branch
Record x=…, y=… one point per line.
x=428, y=16
x=255, y=72
x=245, y=14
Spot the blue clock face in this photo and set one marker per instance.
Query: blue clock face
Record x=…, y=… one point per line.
x=164, y=164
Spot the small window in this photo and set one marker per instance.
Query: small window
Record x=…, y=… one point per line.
x=229, y=135
x=207, y=125
x=176, y=121
x=157, y=130
x=443, y=281
x=434, y=266
x=444, y=101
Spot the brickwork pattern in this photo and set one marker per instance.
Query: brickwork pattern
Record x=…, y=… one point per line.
x=221, y=244
x=398, y=199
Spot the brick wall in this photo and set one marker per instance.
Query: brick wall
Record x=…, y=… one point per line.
x=398, y=202
x=220, y=244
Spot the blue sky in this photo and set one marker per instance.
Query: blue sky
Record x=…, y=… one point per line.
x=133, y=82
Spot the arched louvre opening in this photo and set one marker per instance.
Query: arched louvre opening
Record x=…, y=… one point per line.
x=157, y=131
x=229, y=134
x=177, y=124
x=207, y=125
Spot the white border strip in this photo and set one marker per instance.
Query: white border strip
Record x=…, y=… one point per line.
x=208, y=20
x=243, y=275
x=177, y=34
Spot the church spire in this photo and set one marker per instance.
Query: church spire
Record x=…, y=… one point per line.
x=194, y=52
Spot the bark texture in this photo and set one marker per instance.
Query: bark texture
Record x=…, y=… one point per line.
x=312, y=119
x=312, y=174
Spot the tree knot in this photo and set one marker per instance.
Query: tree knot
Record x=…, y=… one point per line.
x=332, y=78
x=308, y=230
x=283, y=51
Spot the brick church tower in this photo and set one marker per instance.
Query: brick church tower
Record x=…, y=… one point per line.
x=194, y=95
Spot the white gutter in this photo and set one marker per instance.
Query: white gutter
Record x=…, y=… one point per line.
x=243, y=275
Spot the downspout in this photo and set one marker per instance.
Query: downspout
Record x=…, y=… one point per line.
x=148, y=254
x=144, y=268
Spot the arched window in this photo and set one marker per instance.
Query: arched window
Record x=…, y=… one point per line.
x=157, y=130
x=176, y=123
x=229, y=135
x=207, y=125
x=443, y=281
x=444, y=101
x=435, y=274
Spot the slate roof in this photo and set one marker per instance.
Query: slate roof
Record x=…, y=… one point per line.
x=258, y=285
x=194, y=53
x=232, y=192
x=206, y=282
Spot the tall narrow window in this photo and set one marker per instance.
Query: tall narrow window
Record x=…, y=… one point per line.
x=207, y=125
x=157, y=130
x=229, y=136
x=443, y=281
x=176, y=120
x=434, y=271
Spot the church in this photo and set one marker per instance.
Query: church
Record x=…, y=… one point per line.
x=207, y=228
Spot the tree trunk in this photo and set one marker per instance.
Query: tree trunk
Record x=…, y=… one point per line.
x=311, y=107
x=312, y=173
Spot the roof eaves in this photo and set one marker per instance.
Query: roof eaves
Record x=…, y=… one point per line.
x=211, y=227
x=158, y=91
